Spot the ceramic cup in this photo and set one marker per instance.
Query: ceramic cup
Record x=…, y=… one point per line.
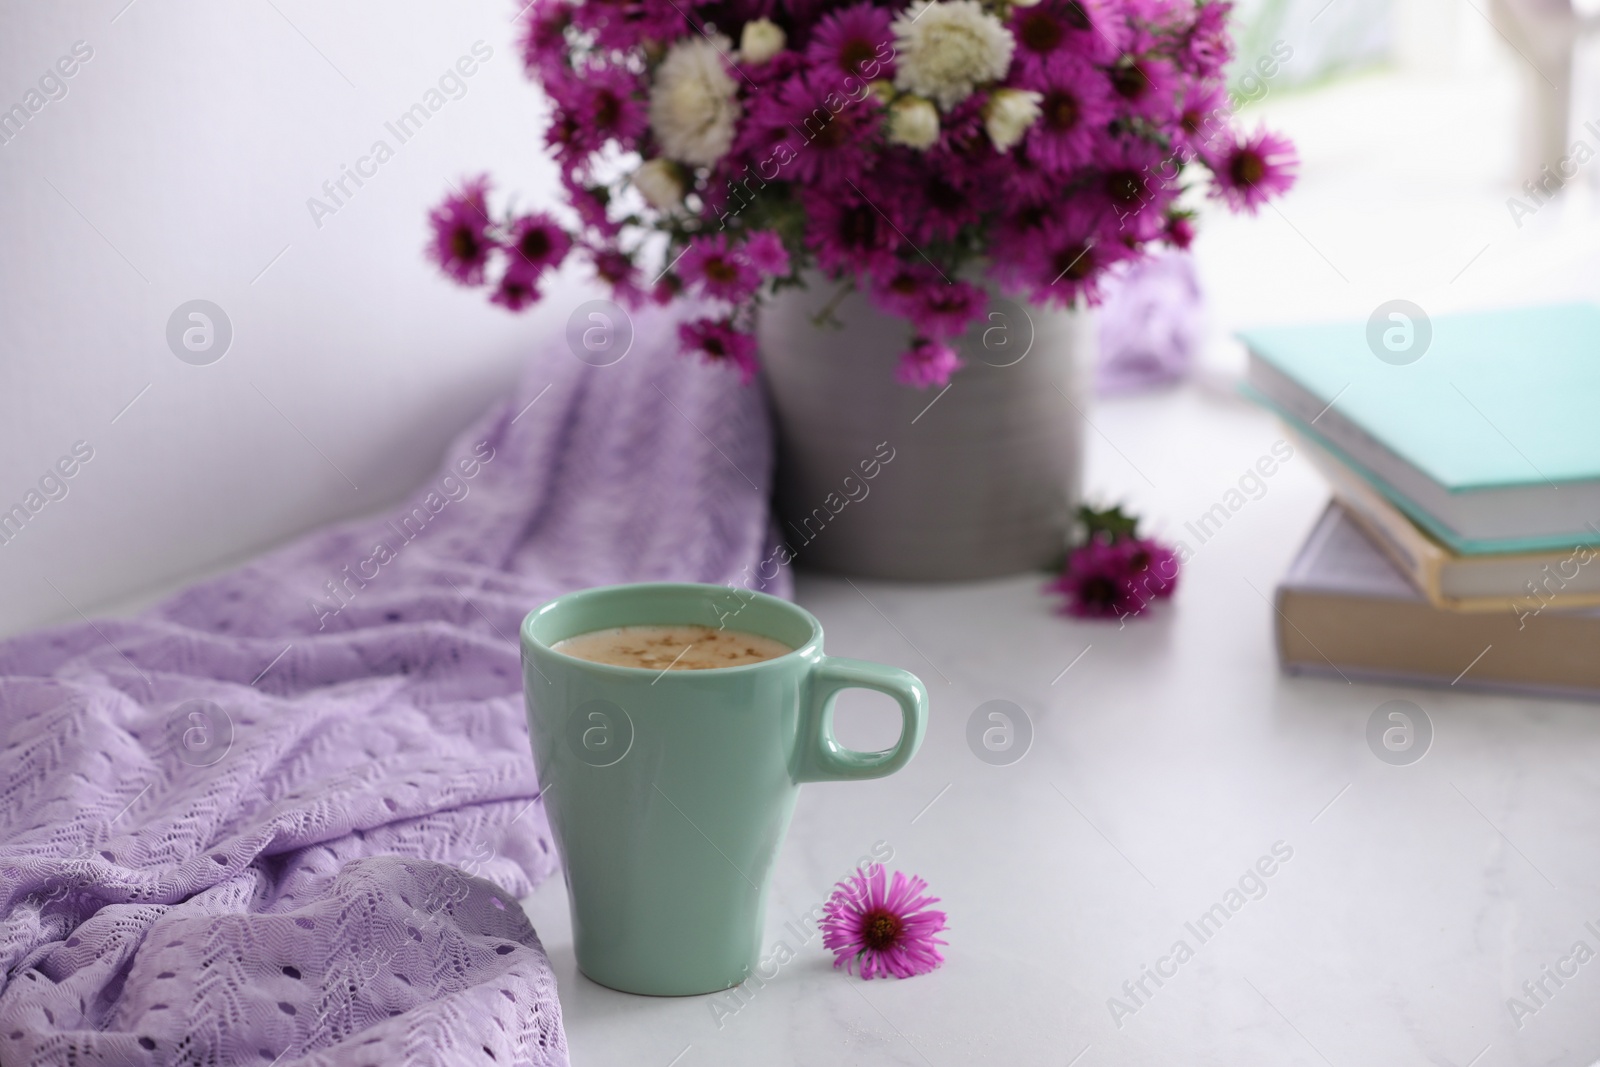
x=669, y=792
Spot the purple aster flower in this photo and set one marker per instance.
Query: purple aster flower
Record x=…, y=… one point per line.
x=1152, y=568
x=461, y=243
x=716, y=341
x=949, y=308
x=765, y=251
x=1145, y=86
x=1097, y=584
x=1075, y=27
x=595, y=106
x=589, y=201
x=1180, y=229
x=885, y=928
x=537, y=244
x=517, y=289
x=829, y=147
x=927, y=362
x=903, y=291
x=1255, y=167
x=615, y=267
x=1075, y=105
x=854, y=41
x=848, y=235
x=720, y=271
x=544, y=40
x=1203, y=117
x=1207, y=47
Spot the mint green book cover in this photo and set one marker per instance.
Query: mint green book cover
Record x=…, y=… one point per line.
x=1497, y=398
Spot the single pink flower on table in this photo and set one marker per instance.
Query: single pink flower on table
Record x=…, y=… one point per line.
x=884, y=927
x=1097, y=584
x=1152, y=568
x=927, y=362
x=720, y=271
x=716, y=341
x=1255, y=167
x=461, y=243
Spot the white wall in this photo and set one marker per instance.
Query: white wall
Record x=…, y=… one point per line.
x=178, y=166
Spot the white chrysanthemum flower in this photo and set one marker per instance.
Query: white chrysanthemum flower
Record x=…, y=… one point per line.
x=659, y=183
x=946, y=49
x=1008, y=114
x=913, y=122
x=761, y=40
x=692, y=104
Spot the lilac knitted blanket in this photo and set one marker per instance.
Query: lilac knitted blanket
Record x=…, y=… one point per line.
x=285, y=817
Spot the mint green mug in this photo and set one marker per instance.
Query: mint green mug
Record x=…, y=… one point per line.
x=669, y=792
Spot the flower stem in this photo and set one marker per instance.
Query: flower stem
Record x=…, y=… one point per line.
x=825, y=316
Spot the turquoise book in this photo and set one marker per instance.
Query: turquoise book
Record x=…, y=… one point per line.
x=1485, y=426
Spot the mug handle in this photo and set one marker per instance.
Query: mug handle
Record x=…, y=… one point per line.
x=821, y=757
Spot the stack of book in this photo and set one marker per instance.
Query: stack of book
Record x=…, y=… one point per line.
x=1462, y=546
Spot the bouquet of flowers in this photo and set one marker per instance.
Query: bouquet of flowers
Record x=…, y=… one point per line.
x=909, y=148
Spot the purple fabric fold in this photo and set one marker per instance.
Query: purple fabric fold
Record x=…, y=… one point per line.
x=285, y=816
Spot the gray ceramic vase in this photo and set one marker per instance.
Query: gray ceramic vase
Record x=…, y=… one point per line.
x=884, y=480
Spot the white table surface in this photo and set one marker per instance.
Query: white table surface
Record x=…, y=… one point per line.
x=1166, y=761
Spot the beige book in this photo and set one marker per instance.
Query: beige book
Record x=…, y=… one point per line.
x=1517, y=582
x=1344, y=610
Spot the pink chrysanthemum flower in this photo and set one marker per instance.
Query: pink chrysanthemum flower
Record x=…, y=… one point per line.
x=589, y=201
x=616, y=268
x=1255, y=167
x=948, y=309
x=1180, y=230
x=927, y=362
x=829, y=148
x=716, y=341
x=1152, y=568
x=538, y=244
x=461, y=243
x=854, y=41
x=885, y=928
x=1147, y=87
x=1054, y=27
x=849, y=236
x=596, y=105
x=1117, y=579
x=1074, y=108
x=764, y=249
x=903, y=291
x=544, y=40
x=720, y=271
x=1097, y=584
x=1203, y=117
x=517, y=289
x=1207, y=46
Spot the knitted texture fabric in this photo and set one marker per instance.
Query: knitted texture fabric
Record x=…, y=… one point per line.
x=285, y=817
